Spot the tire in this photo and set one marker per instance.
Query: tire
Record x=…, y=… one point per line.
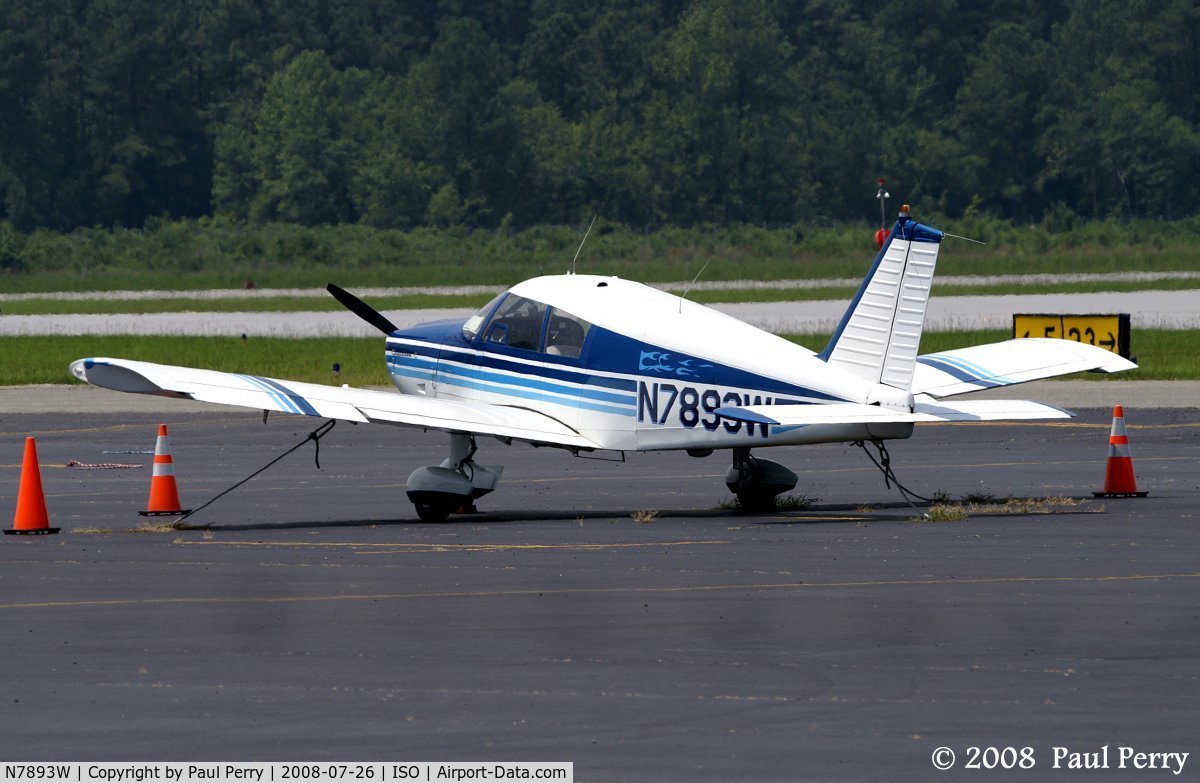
x=436, y=511
x=755, y=502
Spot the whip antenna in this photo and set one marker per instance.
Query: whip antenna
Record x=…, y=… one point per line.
x=585, y=236
x=689, y=285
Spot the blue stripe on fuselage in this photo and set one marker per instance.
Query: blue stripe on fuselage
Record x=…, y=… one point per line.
x=525, y=379
x=508, y=391
x=615, y=363
x=615, y=353
x=494, y=361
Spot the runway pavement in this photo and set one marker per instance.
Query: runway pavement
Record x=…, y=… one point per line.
x=613, y=615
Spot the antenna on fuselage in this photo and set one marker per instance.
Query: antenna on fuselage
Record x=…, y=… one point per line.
x=689, y=285
x=585, y=236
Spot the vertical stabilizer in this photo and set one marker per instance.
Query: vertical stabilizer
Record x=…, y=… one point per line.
x=879, y=336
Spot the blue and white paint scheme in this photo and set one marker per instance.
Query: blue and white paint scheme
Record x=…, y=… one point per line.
x=587, y=362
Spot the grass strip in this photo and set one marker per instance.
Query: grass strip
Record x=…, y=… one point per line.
x=44, y=359
x=1163, y=354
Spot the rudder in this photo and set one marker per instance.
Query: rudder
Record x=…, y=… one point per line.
x=879, y=336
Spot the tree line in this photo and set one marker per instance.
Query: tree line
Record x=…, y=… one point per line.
x=454, y=113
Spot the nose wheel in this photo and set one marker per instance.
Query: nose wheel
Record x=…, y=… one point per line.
x=433, y=510
x=437, y=491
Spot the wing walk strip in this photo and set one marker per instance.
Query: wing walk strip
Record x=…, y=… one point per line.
x=535, y=592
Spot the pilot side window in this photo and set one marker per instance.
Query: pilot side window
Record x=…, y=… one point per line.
x=517, y=324
x=565, y=334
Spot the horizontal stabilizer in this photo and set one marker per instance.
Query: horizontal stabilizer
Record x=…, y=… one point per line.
x=332, y=402
x=853, y=413
x=989, y=410
x=1024, y=359
x=800, y=415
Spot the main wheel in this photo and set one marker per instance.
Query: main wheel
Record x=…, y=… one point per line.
x=435, y=511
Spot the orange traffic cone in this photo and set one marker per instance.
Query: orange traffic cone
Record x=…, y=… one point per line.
x=164, y=495
x=1119, y=481
x=31, y=518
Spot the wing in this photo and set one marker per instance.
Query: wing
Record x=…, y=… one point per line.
x=332, y=402
x=1024, y=359
x=923, y=411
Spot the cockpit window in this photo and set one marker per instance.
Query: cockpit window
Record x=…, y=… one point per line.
x=471, y=327
x=517, y=324
x=523, y=323
x=565, y=334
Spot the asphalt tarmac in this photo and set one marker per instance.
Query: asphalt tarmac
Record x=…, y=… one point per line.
x=613, y=615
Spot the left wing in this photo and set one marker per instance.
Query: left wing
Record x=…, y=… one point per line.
x=333, y=402
x=1024, y=359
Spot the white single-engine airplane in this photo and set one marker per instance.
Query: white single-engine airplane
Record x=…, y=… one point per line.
x=588, y=363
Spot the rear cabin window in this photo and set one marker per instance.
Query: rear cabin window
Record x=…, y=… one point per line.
x=565, y=334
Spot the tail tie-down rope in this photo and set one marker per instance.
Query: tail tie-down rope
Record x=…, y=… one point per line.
x=884, y=463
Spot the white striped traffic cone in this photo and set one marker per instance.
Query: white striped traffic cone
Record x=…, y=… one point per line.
x=164, y=495
x=1119, y=481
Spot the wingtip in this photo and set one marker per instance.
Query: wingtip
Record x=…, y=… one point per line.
x=79, y=368
x=1118, y=364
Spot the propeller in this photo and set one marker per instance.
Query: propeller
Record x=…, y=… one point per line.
x=361, y=309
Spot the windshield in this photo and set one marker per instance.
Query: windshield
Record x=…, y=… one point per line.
x=472, y=325
x=517, y=324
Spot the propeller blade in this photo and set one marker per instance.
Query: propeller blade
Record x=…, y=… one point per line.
x=361, y=309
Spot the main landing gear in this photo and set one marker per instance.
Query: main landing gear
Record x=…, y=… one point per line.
x=438, y=491
x=756, y=481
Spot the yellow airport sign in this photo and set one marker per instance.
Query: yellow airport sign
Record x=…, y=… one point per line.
x=1110, y=332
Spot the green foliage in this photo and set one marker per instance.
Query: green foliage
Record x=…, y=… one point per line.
x=301, y=151
x=221, y=253
x=12, y=258
x=513, y=114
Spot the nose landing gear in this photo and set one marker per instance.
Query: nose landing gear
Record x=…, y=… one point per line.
x=438, y=490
